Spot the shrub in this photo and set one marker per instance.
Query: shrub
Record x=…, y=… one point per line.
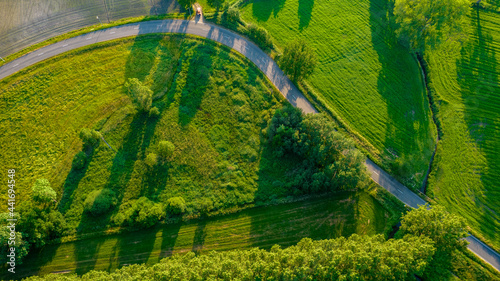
x=260, y=36
x=42, y=192
x=154, y=112
x=151, y=160
x=165, y=149
x=142, y=95
x=145, y=213
x=176, y=205
x=99, y=202
x=231, y=15
x=79, y=160
x=90, y=137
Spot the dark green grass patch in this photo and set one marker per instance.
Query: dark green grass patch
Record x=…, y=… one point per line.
x=363, y=75
x=466, y=84
x=340, y=214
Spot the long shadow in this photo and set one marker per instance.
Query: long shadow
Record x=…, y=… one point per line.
x=169, y=237
x=199, y=236
x=479, y=81
x=305, y=13
x=402, y=111
x=73, y=180
x=197, y=77
x=262, y=9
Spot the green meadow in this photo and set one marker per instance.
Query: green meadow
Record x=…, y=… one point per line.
x=465, y=82
x=363, y=75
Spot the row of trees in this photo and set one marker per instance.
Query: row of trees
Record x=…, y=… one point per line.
x=329, y=161
x=425, y=236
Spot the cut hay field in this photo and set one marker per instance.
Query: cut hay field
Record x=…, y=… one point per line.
x=27, y=22
x=465, y=82
x=363, y=75
x=343, y=214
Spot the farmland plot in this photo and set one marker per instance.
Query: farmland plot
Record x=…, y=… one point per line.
x=27, y=22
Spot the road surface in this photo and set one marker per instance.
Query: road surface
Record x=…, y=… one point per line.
x=267, y=65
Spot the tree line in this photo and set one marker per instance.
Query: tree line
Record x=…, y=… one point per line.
x=425, y=239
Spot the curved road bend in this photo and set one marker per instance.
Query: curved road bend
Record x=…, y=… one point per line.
x=260, y=59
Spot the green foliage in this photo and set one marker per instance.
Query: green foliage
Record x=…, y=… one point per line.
x=445, y=230
x=154, y=112
x=355, y=258
x=40, y=225
x=176, y=205
x=329, y=160
x=259, y=35
x=165, y=149
x=298, y=60
x=231, y=16
x=89, y=137
x=80, y=160
x=42, y=192
x=21, y=247
x=151, y=160
x=99, y=202
x=216, y=3
x=427, y=23
x=144, y=213
x=186, y=3
x=142, y=95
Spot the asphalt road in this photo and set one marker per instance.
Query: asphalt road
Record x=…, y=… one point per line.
x=267, y=65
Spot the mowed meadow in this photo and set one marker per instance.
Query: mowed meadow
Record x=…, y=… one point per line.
x=465, y=82
x=363, y=75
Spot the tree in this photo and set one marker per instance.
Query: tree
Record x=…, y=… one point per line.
x=42, y=193
x=151, y=160
x=426, y=23
x=176, y=205
x=216, y=3
x=89, y=137
x=165, y=149
x=6, y=241
x=186, y=3
x=298, y=60
x=39, y=226
x=445, y=230
x=99, y=202
x=142, y=95
x=144, y=213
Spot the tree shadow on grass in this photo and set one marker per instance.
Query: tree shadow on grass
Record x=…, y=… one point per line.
x=408, y=141
x=197, y=78
x=263, y=9
x=73, y=180
x=478, y=77
x=32, y=263
x=199, y=236
x=305, y=13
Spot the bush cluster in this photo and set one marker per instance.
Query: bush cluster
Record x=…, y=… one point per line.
x=260, y=36
x=99, y=202
x=329, y=161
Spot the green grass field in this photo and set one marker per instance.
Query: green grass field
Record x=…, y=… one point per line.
x=213, y=107
x=363, y=75
x=341, y=214
x=465, y=176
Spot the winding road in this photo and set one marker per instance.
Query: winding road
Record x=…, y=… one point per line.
x=267, y=65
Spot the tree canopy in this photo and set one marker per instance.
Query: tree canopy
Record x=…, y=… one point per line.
x=142, y=95
x=42, y=192
x=426, y=23
x=298, y=60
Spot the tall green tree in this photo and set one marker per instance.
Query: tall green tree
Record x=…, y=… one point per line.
x=142, y=95
x=427, y=23
x=7, y=241
x=444, y=229
x=42, y=192
x=298, y=60
x=165, y=149
x=216, y=3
